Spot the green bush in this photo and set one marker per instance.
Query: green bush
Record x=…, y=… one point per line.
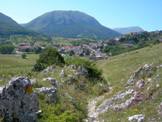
x=49, y=56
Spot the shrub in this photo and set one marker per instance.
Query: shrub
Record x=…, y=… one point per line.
x=23, y=56
x=49, y=56
x=93, y=71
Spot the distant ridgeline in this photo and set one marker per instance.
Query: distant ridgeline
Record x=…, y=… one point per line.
x=9, y=27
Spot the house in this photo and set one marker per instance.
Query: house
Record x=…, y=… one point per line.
x=160, y=40
x=24, y=47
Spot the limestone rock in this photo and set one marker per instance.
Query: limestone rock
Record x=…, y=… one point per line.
x=50, y=93
x=18, y=102
x=160, y=109
x=136, y=118
x=145, y=71
x=140, y=84
x=62, y=74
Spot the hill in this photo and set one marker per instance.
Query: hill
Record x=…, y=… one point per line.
x=118, y=69
x=127, y=30
x=8, y=27
x=70, y=24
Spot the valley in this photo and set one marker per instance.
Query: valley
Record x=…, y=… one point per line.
x=80, y=61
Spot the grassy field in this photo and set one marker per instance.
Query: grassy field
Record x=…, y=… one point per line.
x=117, y=71
x=14, y=65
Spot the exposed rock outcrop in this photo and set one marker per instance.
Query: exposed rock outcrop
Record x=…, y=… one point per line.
x=18, y=103
x=139, y=88
x=142, y=72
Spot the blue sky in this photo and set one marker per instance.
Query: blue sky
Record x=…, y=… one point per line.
x=111, y=13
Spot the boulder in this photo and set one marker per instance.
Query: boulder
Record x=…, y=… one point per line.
x=136, y=118
x=18, y=103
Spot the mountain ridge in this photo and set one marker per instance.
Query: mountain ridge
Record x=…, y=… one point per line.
x=131, y=29
x=8, y=26
x=70, y=24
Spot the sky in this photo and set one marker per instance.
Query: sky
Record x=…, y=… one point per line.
x=110, y=13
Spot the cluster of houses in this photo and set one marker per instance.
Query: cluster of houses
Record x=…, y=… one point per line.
x=27, y=47
x=91, y=50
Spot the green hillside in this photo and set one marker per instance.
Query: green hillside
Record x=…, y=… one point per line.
x=117, y=71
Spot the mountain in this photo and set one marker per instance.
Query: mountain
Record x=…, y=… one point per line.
x=8, y=25
x=70, y=24
x=127, y=30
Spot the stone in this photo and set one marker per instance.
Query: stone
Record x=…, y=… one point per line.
x=140, y=84
x=160, y=66
x=136, y=118
x=33, y=81
x=62, y=74
x=138, y=97
x=160, y=109
x=46, y=90
x=1, y=88
x=18, y=102
x=145, y=71
x=50, y=93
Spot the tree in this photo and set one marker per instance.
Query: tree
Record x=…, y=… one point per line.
x=49, y=56
x=6, y=48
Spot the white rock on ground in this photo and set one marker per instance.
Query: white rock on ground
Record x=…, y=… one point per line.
x=136, y=118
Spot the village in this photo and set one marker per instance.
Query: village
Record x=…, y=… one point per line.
x=96, y=49
x=93, y=50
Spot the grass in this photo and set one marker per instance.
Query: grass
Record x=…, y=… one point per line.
x=118, y=69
